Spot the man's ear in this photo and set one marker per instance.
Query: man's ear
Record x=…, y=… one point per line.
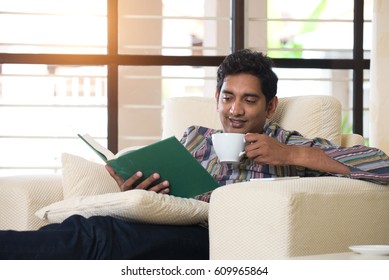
x=271, y=107
x=217, y=100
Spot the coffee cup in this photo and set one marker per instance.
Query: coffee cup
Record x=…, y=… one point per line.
x=229, y=147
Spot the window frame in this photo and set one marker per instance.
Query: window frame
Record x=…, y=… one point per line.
x=113, y=60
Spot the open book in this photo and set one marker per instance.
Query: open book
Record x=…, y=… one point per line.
x=167, y=157
x=101, y=151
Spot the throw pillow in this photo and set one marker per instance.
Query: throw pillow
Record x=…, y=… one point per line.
x=134, y=206
x=81, y=177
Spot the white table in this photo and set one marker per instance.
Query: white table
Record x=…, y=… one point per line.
x=343, y=256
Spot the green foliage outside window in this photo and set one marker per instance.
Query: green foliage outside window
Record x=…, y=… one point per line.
x=293, y=48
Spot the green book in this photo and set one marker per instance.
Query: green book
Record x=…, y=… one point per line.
x=168, y=157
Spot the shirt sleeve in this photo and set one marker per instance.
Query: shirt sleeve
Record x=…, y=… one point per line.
x=191, y=139
x=204, y=197
x=187, y=135
x=365, y=163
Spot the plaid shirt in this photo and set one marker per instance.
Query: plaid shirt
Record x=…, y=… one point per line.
x=365, y=163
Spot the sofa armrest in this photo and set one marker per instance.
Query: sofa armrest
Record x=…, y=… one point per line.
x=21, y=196
x=296, y=217
x=349, y=140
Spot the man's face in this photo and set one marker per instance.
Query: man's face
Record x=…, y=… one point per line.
x=242, y=105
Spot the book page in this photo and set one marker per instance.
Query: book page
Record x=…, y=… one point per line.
x=97, y=147
x=127, y=150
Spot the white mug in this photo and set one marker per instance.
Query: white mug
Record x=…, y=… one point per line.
x=229, y=147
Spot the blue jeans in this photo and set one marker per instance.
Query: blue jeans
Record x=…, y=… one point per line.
x=103, y=237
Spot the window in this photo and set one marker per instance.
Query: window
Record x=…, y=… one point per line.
x=166, y=29
x=44, y=105
x=105, y=67
x=327, y=44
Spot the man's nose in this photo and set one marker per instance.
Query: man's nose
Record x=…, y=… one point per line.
x=236, y=109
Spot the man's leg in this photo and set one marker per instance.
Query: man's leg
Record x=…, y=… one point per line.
x=105, y=238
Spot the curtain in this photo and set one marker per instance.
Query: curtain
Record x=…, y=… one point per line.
x=379, y=77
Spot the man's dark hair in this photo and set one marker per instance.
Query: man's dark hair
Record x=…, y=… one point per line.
x=250, y=62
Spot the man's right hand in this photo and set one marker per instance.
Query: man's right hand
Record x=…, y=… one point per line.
x=128, y=184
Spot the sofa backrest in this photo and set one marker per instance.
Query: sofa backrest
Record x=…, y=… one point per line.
x=313, y=116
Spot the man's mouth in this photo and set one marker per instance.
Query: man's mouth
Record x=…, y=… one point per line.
x=236, y=123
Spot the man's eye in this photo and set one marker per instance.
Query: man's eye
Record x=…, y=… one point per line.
x=251, y=101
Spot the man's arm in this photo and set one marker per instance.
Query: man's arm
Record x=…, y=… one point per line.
x=267, y=150
x=316, y=159
x=358, y=162
x=366, y=163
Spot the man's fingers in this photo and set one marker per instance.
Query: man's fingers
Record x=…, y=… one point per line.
x=162, y=187
x=128, y=184
x=148, y=181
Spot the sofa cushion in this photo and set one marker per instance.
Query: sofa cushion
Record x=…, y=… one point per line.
x=323, y=113
x=81, y=177
x=89, y=190
x=134, y=206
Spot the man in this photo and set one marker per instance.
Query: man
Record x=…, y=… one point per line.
x=246, y=97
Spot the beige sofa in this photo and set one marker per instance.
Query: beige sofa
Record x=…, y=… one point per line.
x=253, y=220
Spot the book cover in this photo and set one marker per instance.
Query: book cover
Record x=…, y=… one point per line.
x=167, y=157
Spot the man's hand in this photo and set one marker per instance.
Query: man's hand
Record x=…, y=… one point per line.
x=162, y=187
x=267, y=150
x=264, y=149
